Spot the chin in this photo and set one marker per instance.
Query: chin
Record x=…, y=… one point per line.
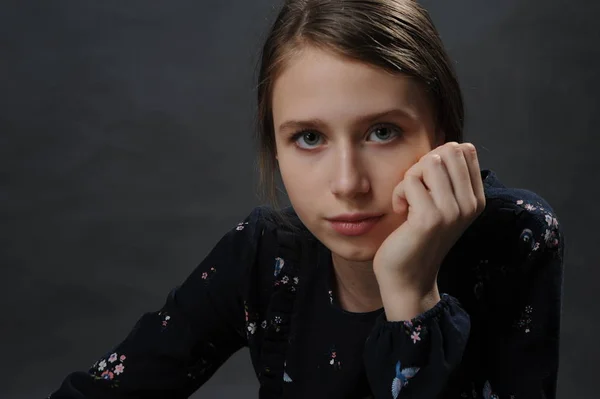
x=361, y=250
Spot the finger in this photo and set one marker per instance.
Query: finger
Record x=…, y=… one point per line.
x=419, y=200
x=460, y=176
x=472, y=159
x=436, y=177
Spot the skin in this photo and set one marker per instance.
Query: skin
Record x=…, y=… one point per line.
x=367, y=137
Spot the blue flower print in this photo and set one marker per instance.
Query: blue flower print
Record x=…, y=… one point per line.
x=487, y=391
x=286, y=377
x=278, y=266
x=402, y=378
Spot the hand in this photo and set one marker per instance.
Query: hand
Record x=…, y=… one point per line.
x=443, y=194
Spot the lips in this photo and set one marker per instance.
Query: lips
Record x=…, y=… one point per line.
x=354, y=225
x=353, y=217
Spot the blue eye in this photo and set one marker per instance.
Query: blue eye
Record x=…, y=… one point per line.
x=386, y=133
x=308, y=137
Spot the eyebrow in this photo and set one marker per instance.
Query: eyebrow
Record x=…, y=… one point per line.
x=317, y=123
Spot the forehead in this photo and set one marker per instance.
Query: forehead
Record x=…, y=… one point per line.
x=320, y=83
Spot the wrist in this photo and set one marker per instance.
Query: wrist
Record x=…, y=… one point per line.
x=404, y=302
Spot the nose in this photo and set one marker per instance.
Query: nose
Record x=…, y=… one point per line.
x=349, y=177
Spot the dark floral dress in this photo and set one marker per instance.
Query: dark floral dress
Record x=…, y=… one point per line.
x=268, y=286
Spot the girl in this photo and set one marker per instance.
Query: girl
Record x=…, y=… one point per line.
x=401, y=270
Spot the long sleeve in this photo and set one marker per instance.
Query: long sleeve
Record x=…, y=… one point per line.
x=521, y=352
x=513, y=351
x=171, y=352
x=414, y=359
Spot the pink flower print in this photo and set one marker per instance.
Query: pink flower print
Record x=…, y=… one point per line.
x=208, y=274
x=165, y=322
x=122, y=358
x=101, y=365
x=530, y=207
x=418, y=328
x=252, y=328
x=107, y=375
x=285, y=280
x=112, y=358
x=519, y=202
x=119, y=368
x=415, y=336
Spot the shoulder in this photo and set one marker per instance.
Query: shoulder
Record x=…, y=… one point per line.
x=525, y=214
x=279, y=237
x=517, y=227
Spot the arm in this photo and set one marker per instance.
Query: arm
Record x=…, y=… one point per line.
x=519, y=346
x=522, y=341
x=427, y=347
x=173, y=351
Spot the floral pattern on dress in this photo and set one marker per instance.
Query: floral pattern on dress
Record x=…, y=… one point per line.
x=240, y=226
x=109, y=368
x=251, y=319
x=208, y=275
x=284, y=279
x=279, y=262
x=402, y=377
x=550, y=234
x=525, y=323
x=165, y=320
x=413, y=330
x=487, y=391
x=286, y=377
x=334, y=361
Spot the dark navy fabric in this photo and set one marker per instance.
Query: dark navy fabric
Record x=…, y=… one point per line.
x=267, y=285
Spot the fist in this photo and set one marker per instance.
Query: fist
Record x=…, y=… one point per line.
x=442, y=194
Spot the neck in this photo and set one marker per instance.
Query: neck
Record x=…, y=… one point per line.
x=356, y=286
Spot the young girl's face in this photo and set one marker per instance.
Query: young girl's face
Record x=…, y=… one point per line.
x=345, y=134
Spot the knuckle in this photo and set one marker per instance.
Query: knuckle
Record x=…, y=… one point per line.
x=474, y=207
x=457, y=151
x=430, y=159
x=470, y=148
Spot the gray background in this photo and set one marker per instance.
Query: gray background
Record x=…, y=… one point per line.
x=125, y=153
